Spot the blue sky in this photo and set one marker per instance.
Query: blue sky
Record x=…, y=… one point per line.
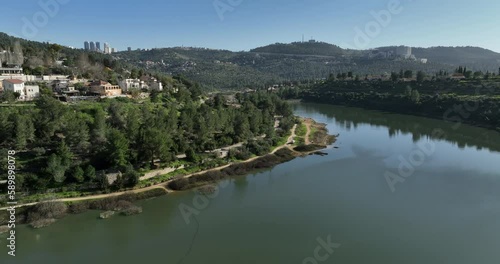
x=246, y=24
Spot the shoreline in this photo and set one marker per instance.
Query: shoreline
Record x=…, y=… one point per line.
x=280, y=154
x=409, y=113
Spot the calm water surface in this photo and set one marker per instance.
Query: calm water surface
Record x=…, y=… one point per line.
x=446, y=211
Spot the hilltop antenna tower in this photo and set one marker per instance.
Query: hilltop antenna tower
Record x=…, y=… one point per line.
x=302, y=38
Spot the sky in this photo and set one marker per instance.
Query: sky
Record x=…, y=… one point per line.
x=245, y=24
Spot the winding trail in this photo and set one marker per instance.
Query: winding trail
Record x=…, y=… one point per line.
x=163, y=184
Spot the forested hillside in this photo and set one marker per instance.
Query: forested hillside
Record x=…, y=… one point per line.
x=475, y=102
x=61, y=147
x=296, y=62
x=303, y=48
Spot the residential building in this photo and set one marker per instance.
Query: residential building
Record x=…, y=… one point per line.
x=107, y=49
x=113, y=50
x=146, y=82
x=14, y=85
x=60, y=85
x=86, y=45
x=151, y=83
x=26, y=92
x=129, y=49
x=92, y=46
x=32, y=92
x=98, y=46
x=103, y=88
x=128, y=84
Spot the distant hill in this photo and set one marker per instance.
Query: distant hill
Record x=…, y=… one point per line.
x=472, y=56
x=302, y=48
x=459, y=55
x=223, y=69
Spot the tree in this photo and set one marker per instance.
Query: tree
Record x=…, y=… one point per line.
x=55, y=168
x=78, y=174
x=24, y=131
x=408, y=74
x=134, y=74
x=394, y=77
x=415, y=96
x=49, y=117
x=191, y=155
x=90, y=173
x=487, y=75
x=408, y=92
x=130, y=177
x=477, y=74
x=65, y=155
x=8, y=96
x=331, y=77
x=117, y=148
x=421, y=76
x=98, y=129
x=76, y=132
x=468, y=74
x=155, y=143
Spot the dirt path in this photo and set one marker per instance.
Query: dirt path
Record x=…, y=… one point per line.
x=307, y=140
x=160, y=185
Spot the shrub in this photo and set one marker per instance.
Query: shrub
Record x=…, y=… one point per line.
x=132, y=210
x=47, y=210
x=39, y=152
x=78, y=208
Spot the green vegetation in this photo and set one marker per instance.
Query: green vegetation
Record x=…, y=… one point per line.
x=472, y=101
x=303, y=48
x=70, y=148
x=301, y=130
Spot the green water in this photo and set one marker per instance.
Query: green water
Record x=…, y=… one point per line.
x=446, y=211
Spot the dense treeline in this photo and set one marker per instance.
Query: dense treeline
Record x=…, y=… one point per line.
x=303, y=48
x=476, y=102
x=67, y=146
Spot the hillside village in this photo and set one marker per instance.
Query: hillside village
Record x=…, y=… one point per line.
x=66, y=88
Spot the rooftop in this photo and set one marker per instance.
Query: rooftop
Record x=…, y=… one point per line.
x=14, y=81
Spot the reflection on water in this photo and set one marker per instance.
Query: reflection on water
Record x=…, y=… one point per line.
x=447, y=211
x=464, y=136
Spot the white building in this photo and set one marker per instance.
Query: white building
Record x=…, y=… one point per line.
x=107, y=49
x=26, y=92
x=14, y=85
x=32, y=92
x=128, y=84
x=147, y=83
